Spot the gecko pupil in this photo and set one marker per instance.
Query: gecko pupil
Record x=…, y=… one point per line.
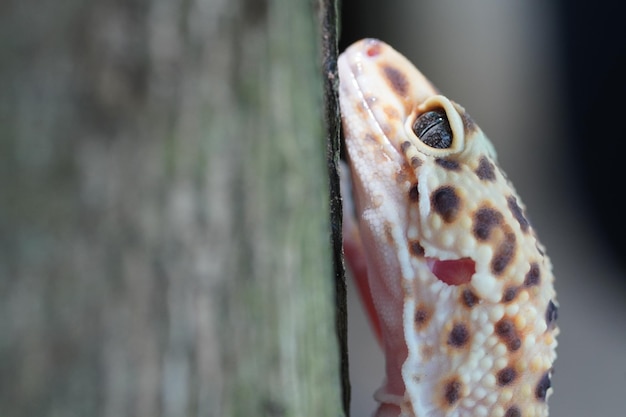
x=433, y=129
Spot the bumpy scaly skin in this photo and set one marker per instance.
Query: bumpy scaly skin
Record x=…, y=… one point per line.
x=462, y=289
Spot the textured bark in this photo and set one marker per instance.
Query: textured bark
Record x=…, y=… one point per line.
x=164, y=229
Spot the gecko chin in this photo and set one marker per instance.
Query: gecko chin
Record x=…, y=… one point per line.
x=452, y=271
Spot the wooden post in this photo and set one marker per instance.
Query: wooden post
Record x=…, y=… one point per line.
x=164, y=231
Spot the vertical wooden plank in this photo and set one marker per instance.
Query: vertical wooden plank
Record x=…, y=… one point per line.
x=164, y=232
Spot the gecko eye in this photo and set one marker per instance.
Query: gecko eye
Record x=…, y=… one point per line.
x=433, y=129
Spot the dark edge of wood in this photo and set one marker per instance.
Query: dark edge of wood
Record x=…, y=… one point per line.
x=329, y=22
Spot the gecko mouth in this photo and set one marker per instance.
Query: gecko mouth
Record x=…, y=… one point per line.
x=452, y=271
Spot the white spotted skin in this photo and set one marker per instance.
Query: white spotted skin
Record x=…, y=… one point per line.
x=480, y=346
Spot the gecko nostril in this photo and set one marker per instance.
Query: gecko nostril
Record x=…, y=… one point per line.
x=453, y=271
x=373, y=46
x=373, y=50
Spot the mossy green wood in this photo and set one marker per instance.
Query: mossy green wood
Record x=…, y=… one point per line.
x=280, y=342
x=164, y=232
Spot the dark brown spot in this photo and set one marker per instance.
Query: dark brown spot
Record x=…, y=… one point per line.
x=414, y=194
x=416, y=248
x=506, y=376
x=458, y=336
x=533, y=277
x=469, y=126
x=446, y=202
x=405, y=145
x=514, y=345
x=504, y=254
x=543, y=386
x=505, y=329
x=513, y=411
x=416, y=162
x=452, y=391
x=422, y=316
x=448, y=164
x=517, y=212
x=469, y=298
x=485, y=219
x=509, y=294
x=485, y=171
x=552, y=313
x=396, y=80
x=388, y=230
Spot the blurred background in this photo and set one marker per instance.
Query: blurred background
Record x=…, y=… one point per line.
x=545, y=81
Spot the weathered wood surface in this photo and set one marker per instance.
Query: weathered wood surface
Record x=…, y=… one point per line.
x=164, y=230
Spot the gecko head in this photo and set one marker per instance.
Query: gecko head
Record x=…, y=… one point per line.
x=397, y=124
x=401, y=107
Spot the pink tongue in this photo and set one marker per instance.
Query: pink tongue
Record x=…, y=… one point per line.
x=453, y=271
